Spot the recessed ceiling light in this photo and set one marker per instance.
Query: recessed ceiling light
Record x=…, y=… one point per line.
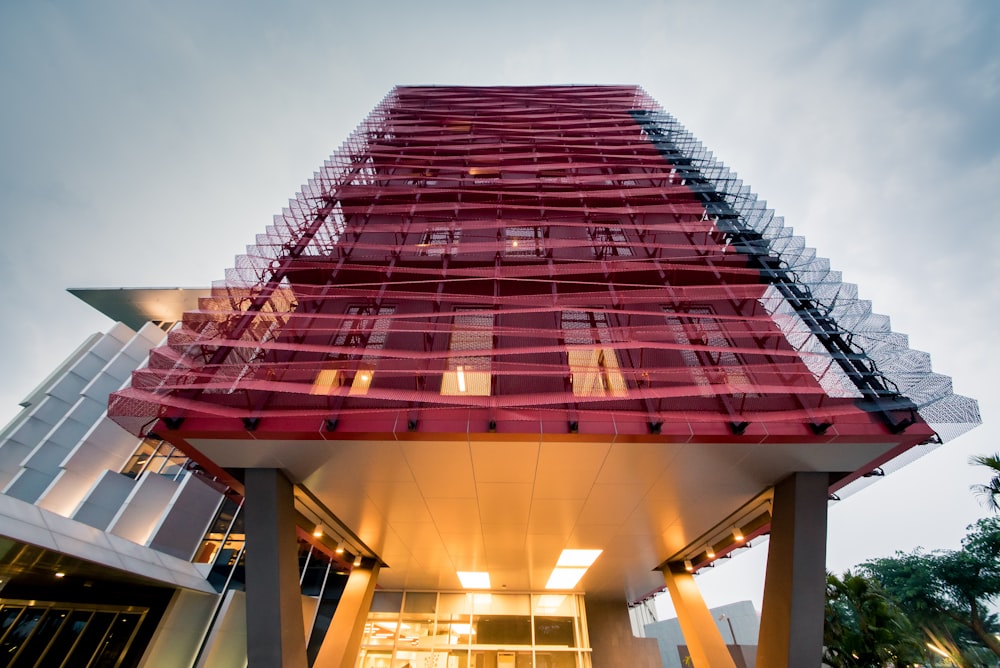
x=474, y=579
x=577, y=558
x=564, y=578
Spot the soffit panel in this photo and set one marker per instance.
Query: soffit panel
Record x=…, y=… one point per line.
x=424, y=509
x=568, y=470
x=504, y=462
x=554, y=516
x=504, y=503
x=442, y=469
x=455, y=515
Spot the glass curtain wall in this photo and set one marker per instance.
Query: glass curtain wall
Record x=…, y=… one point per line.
x=475, y=630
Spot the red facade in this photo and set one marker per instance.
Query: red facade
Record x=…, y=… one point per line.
x=510, y=260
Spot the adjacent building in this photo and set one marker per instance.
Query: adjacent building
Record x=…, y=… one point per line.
x=513, y=358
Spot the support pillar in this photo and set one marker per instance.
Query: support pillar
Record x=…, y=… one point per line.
x=343, y=638
x=705, y=644
x=791, y=624
x=275, y=634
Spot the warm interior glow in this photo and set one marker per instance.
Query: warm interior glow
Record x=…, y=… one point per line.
x=738, y=535
x=595, y=373
x=60, y=575
x=549, y=603
x=318, y=531
x=340, y=548
x=466, y=382
x=577, y=558
x=564, y=578
x=481, y=601
x=710, y=551
x=474, y=579
x=327, y=381
x=362, y=381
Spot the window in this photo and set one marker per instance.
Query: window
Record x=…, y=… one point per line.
x=470, y=348
x=365, y=330
x=440, y=239
x=706, y=337
x=523, y=241
x=609, y=241
x=593, y=364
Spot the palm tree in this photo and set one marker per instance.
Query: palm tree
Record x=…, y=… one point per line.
x=989, y=494
x=864, y=627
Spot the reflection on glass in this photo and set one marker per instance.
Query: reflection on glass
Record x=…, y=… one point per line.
x=498, y=631
x=20, y=631
x=119, y=636
x=68, y=633
x=39, y=640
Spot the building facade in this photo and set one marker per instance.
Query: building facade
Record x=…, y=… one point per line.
x=515, y=357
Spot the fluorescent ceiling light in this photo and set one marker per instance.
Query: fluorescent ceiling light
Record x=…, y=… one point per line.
x=474, y=579
x=564, y=578
x=577, y=558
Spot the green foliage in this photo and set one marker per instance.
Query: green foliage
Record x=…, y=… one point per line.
x=947, y=593
x=864, y=627
x=989, y=492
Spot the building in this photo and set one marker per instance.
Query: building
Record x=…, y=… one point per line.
x=515, y=356
x=738, y=624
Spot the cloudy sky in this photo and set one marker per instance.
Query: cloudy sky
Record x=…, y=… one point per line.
x=144, y=144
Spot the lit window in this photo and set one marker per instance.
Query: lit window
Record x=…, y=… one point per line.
x=609, y=241
x=594, y=368
x=440, y=239
x=468, y=372
x=523, y=241
x=364, y=330
x=484, y=175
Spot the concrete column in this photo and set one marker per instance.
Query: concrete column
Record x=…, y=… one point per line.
x=704, y=642
x=273, y=598
x=791, y=624
x=343, y=638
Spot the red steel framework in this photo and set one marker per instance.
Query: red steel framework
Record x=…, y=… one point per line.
x=510, y=260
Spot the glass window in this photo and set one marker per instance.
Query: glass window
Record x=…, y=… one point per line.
x=704, y=348
x=91, y=639
x=117, y=640
x=140, y=458
x=468, y=372
x=609, y=240
x=594, y=369
x=387, y=601
x=362, y=335
x=20, y=631
x=420, y=601
x=68, y=633
x=523, y=242
x=440, y=239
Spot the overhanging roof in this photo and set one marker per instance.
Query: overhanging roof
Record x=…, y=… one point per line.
x=137, y=306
